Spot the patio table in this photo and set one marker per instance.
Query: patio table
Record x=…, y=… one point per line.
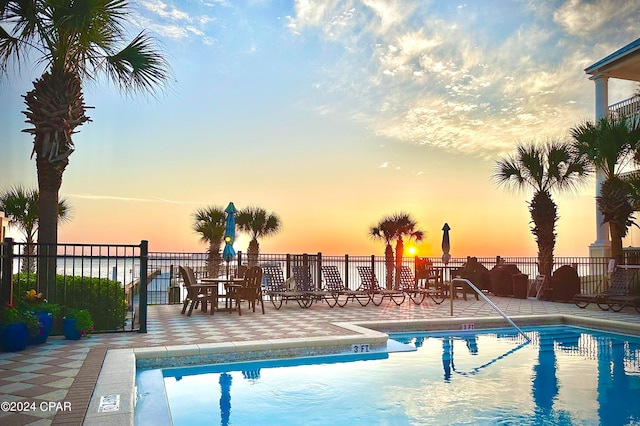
x=230, y=286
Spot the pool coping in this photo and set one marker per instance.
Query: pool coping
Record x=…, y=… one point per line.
x=118, y=373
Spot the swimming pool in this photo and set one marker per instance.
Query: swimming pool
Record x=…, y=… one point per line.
x=566, y=375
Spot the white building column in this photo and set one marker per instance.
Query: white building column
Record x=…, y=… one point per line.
x=601, y=247
x=4, y=226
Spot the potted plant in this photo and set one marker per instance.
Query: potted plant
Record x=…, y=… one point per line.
x=44, y=311
x=77, y=323
x=16, y=326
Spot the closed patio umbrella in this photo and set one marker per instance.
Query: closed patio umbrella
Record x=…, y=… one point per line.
x=446, y=246
x=228, y=253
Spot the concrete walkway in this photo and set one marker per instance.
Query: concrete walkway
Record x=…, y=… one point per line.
x=53, y=382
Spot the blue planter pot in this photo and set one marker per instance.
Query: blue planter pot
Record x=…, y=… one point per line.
x=46, y=323
x=15, y=337
x=69, y=329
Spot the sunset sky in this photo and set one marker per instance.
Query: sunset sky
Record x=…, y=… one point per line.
x=333, y=114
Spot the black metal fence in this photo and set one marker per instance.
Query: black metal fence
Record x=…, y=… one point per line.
x=167, y=289
x=108, y=280
x=117, y=282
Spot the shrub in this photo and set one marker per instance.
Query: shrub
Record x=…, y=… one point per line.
x=84, y=322
x=11, y=313
x=104, y=298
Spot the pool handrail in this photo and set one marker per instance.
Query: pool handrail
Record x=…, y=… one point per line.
x=493, y=305
x=476, y=370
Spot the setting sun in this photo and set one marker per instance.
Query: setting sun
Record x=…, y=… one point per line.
x=411, y=251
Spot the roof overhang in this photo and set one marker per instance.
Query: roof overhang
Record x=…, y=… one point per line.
x=624, y=63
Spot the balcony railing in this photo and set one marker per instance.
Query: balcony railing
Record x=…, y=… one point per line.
x=625, y=109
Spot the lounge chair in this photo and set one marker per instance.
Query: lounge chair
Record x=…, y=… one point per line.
x=616, y=296
x=617, y=303
x=278, y=292
x=416, y=293
x=304, y=282
x=197, y=293
x=369, y=283
x=333, y=283
x=251, y=289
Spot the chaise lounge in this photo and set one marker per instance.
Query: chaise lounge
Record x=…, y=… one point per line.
x=369, y=283
x=616, y=297
x=278, y=292
x=333, y=283
x=416, y=293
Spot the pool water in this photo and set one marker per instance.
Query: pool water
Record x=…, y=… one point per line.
x=565, y=376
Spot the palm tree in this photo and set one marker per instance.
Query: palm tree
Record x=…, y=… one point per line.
x=608, y=144
x=382, y=231
x=74, y=41
x=21, y=206
x=551, y=167
x=403, y=226
x=257, y=223
x=210, y=223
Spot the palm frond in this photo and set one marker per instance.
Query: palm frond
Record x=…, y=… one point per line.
x=139, y=66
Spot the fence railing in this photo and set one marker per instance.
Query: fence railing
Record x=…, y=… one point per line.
x=167, y=287
x=108, y=280
x=117, y=282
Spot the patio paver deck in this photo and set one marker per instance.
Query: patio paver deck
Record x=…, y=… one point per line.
x=62, y=371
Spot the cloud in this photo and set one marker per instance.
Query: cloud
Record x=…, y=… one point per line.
x=130, y=199
x=171, y=22
x=462, y=79
x=164, y=11
x=582, y=18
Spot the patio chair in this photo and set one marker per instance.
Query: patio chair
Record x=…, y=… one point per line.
x=333, y=283
x=417, y=294
x=427, y=275
x=251, y=289
x=278, y=291
x=369, y=283
x=616, y=296
x=304, y=282
x=196, y=294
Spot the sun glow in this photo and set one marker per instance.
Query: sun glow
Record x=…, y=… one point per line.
x=411, y=251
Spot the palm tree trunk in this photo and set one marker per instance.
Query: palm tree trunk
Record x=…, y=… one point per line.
x=29, y=260
x=55, y=107
x=616, y=242
x=388, y=255
x=544, y=215
x=253, y=252
x=49, y=182
x=399, y=257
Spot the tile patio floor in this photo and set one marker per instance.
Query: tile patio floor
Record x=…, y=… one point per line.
x=66, y=371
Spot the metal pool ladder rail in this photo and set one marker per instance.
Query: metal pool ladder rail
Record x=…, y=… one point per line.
x=493, y=305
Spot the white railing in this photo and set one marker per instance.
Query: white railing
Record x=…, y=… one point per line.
x=493, y=305
x=627, y=108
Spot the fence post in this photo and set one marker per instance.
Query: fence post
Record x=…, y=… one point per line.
x=144, y=260
x=288, y=265
x=6, y=286
x=346, y=270
x=373, y=271
x=319, y=271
